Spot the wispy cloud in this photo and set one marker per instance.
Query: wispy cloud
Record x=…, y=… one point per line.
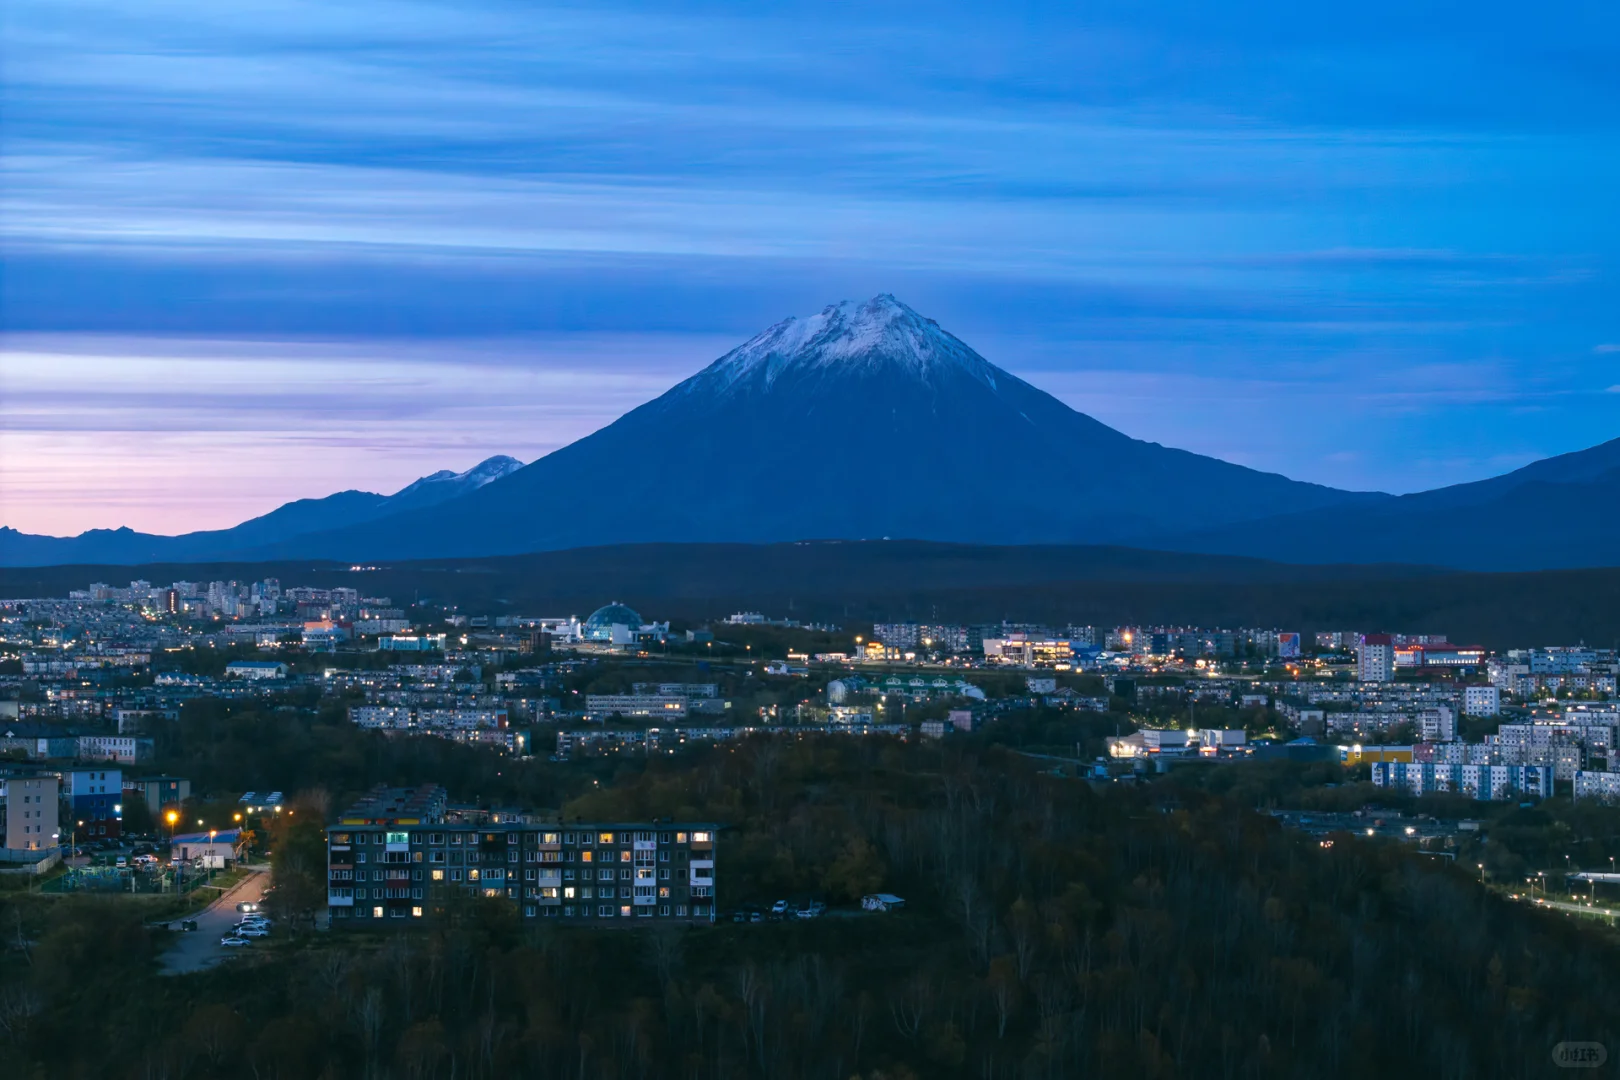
x=1261, y=233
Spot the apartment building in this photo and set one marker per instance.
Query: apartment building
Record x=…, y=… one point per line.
x=1597, y=785
x=96, y=799
x=1483, y=782
x=1482, y=700
x=395, y=855
x=1375, y=658
x=31, y=803
x=602, y=706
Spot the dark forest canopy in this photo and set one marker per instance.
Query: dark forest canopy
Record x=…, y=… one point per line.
x=852, y=582
x=1053, y=930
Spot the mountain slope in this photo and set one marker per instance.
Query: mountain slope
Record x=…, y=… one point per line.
x=865, y=420
x=1560, y=512
x=346, y=508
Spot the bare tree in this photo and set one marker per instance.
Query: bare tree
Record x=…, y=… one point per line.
x=911, y=1005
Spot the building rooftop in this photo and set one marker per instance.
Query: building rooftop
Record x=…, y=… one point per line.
x=423, y=805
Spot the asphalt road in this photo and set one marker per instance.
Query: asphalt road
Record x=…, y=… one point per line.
x=198, y=949
x=1578, y=909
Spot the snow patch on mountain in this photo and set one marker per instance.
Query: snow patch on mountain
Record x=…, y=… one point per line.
x=881, y=333
x=484, y=472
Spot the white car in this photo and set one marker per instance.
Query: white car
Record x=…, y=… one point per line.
x=253, y=931
x=234, y=942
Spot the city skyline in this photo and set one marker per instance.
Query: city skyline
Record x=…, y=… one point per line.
x=261, y=255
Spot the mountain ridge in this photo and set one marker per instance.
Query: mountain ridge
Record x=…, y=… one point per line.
x=775, y=440
x=299, y=517
x=868, y=420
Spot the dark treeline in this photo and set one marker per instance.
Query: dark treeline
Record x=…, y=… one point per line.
x=1054, y=930
x=307, y=742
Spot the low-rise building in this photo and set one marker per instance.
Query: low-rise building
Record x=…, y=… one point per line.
x=124, y=749
x=215, y=848
x=255, y=669
x=159, y=793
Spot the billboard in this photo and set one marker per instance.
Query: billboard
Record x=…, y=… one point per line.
x=1288, y=645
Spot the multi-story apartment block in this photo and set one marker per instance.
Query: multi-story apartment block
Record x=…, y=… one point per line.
x=1438, y=724
x=30, y=801
x=602, y=706
x=395, y=855
x=1375, y=658
x=1590, y=784
x=1484, y=782
x=1482, y=700
x=96, y=800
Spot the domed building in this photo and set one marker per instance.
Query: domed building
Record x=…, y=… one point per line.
x=599, y=627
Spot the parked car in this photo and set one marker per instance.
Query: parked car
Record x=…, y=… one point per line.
x=121, y=862
x=812, y=910
x=234, y=942
x=253, y=931
x=779, y=908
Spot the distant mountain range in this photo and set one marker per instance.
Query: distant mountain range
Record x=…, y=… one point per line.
x=868, y=421
x=294, y=519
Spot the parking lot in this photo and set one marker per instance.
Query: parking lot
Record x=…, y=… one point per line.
x=195, y=950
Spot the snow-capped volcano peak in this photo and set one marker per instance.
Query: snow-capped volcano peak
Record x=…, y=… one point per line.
x=848, y=337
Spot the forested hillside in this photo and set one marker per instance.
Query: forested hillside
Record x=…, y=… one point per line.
x=1053, y=931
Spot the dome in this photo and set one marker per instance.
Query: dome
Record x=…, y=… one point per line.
x=599, y=627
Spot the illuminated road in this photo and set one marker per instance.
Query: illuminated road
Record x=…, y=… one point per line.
x=198, y=949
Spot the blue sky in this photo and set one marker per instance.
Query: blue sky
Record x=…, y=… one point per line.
x=266, y=250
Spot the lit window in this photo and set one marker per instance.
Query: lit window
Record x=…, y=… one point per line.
x=605, y=838
x=438, y=875
x=376, y=913
x=548, y=893
x=624, y=856
x=472, y=875
x=585, y=856
x=680, y=838
x=416, y=913
x=549, y=838
x=568, y=892
x=701, y=837
x=624, y=911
